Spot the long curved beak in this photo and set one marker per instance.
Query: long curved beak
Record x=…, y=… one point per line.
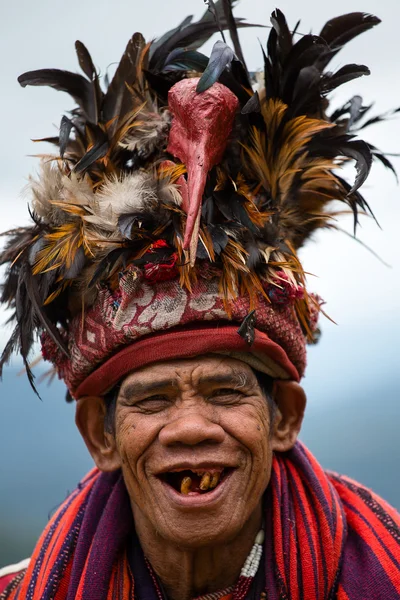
x=198, y=137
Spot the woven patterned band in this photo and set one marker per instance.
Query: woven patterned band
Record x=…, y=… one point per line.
x=142, y=321
x=264, y=354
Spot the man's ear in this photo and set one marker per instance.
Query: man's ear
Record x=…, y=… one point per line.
x=291, y=402
x=89, y=417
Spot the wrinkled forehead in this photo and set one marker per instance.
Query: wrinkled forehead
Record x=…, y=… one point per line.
x=196, y=372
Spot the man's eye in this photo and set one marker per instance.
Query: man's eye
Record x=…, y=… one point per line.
x=227, y=394
x=153, y=403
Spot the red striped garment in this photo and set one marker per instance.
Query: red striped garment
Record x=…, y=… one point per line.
x=326, y=538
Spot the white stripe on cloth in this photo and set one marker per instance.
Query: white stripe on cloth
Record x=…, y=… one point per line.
x=10, y=569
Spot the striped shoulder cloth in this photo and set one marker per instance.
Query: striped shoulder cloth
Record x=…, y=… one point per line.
x=13, y=573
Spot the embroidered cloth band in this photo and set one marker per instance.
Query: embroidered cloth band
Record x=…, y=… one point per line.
x=264, y=354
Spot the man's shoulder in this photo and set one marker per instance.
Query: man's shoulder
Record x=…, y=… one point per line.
x=9, y=573
x=359, y=497
x=372, y=549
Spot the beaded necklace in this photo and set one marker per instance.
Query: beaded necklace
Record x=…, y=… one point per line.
x=247, y=574
x=235, y=592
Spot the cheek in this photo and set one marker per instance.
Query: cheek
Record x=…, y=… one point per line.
x=250, y=426
x=134, y=436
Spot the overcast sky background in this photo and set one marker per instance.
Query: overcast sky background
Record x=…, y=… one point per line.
x=362, y=295
x=356, y=363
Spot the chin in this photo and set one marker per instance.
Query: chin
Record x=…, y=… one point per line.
x=200, y=531
x=198, y=521
x=199, y=518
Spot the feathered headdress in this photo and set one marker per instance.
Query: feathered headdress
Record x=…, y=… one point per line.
x=180, y=169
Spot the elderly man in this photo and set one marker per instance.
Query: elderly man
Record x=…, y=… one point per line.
x=161, y=271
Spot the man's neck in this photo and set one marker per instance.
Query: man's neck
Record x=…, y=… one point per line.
x=187, y=573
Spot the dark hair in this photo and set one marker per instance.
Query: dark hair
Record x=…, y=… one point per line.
x=110, y=400
x=265, y=382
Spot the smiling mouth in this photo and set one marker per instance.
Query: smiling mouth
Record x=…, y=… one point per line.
x=190, y=482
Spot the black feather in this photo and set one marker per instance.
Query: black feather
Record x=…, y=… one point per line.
x=220, y=59
x=39, y=310
x=383, y=159
x=340, y=30
x=306, y=92
x=356, y=111
x=252, y=105
x=343, y=75
x=215, y=13
x=26, y=319
x=378, y=118
x=254, y=258
x=36, y=247
x=230, y=204
x=183, y=38
x=112, y=261
x=65, y=130
x=191, y=36
x=185, y=60
x=355, y=200
x=360, y=152
x=219, y=238
x=208, y=210
x=87, y=66
x=99, y=150
x=246, y=329
x=304, y=53
x=118, y=99
x=350, y=114
x=283, y=35
x=201, y=252
x=85, y=60
x=241, y=74
x=295, y=28
x=229, y=79
x=50, y=140
x=77, y=265
x=230, y=19
x=10, y=348
x=125, y=224
x=64, y=81
x=164, y=39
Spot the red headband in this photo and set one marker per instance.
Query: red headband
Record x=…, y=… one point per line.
x=181, y=343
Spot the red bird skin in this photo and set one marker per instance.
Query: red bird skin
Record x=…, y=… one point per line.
x=199, y=133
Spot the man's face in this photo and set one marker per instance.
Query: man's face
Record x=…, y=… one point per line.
x=185, y=425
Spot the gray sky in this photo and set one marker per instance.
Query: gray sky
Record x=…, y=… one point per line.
x=362, y=295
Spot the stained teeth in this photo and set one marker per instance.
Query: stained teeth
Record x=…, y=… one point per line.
x=214, y=480
x=205, y=481
x=208, y=481
x=186, y=485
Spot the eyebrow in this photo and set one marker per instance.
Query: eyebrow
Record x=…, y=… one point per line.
x=131, y=389
x=238, y=380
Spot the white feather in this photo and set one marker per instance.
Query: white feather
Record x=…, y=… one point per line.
x=149, y=133
x=140, y=192
x=47, y=187
x=131, y=193
x=53, y=186
x=78, y=190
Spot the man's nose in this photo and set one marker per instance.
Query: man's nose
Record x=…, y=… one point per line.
x=190, y=430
